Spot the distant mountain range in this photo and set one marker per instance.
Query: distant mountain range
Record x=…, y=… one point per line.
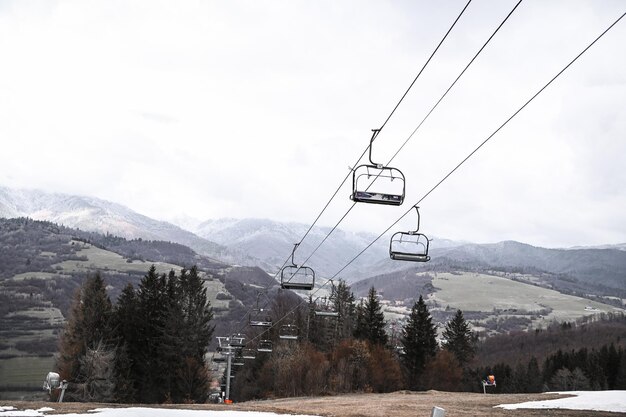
x=96, y=215
x=268, y=243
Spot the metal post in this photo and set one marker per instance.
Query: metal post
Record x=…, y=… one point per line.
x=438, y=412
x=228, y=374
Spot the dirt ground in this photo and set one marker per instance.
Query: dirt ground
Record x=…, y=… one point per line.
x=397, y=404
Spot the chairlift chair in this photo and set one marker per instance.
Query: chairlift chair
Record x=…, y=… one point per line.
x=323, y=308
x=248, y=354
x=265, y=346
x=259, y=317
x=410, y=246
x=223, y=343
x=237, y=341
x=294, y=277
x=288, y=332
x=324, y=305
x=326, y=313
x=390, y=182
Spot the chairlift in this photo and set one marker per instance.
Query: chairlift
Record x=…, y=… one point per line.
x=288, y=332
x=223, y=343
x=294, y=277
x=324, y=306
x=265, y=346
x=236, y=341
x=387, y=179
x=248, y=354
x=259, y=317
x=411, y=245
x=322, y=313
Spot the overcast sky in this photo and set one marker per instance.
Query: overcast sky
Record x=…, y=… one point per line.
x=258, y=108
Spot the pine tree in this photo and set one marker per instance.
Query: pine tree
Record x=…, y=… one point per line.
x=344, y=305
x=459, y=339
x=127, y=373
x=196, y=331
x=419, y=341
x=151, y=359
x=620, y=377
x=535, y=381
x=88, y=328
x=371, y=320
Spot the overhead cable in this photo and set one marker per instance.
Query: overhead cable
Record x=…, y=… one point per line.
x=462, y=161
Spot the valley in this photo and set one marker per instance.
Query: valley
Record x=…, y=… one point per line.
x=500, y=288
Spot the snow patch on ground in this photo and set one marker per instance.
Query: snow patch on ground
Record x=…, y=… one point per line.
x=612, y=401
x=139, y=412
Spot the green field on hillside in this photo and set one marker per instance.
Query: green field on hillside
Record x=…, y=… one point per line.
x=492, y=294
x=105, y=260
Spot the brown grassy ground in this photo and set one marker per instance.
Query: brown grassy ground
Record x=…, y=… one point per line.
x=397, y=404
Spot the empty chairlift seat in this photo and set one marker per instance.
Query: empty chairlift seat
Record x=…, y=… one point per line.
x=265, y=346
x=260, y=318
x=288, y=332
x=410, y=246
x=294, y=277
x=248, y=354
x=376, y=183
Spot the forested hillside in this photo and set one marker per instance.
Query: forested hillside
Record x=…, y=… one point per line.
x=42, y=265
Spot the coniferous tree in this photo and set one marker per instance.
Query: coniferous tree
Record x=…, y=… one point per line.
x=173, y=338
x=152, y=315
x=127, y=371
x=196, y=331
x=344, y=305
x=88, y=327
x=535, y=382
x=620, y=377
x=371, y=320
x=459, y=339
x=419, y=343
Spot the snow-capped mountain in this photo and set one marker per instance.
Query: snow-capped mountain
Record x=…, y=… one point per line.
x=93, y=214
x=618, y=246
x=273, y=242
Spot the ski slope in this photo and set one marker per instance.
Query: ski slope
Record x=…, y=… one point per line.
x=612, y=401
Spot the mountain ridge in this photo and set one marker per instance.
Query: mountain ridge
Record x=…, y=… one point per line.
x=268, y=243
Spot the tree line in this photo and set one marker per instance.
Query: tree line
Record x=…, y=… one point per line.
x=575, y=370
x=152, y=347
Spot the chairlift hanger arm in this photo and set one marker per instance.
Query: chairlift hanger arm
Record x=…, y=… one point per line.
x=374, y=135
x=417, y=210
x=293, y=252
